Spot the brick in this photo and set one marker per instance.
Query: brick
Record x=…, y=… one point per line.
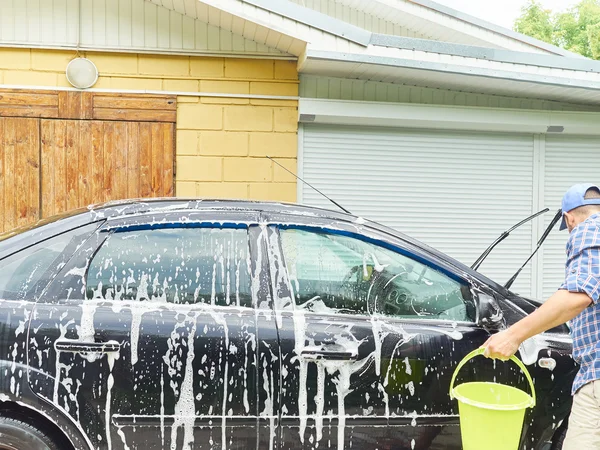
x=279, y=103
x=187, y=99
x=286, y=70
x=181, y=85
x=186, y=189
x=274, y=144
x=248, y=118
x=187, y=142
x=50, y=60
x=223, y=190
x=285, y=119
x=164, y=65
x=114, y=64
x=247, y=169
x=196, y=116
x=153, y=84
x=264, y=88
x=225, y=87
x=207, y=67
x=280, y=175
x=223, y=143
x=225, y=101
x=199, y=168
x=281, y=192
x=15, y=58
x=249, y=68
x=18, y=77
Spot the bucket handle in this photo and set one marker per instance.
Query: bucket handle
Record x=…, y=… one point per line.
x=480, y=351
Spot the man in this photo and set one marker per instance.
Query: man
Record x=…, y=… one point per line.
x=578, y=299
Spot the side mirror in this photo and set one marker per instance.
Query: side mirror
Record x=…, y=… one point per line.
x=489, y=314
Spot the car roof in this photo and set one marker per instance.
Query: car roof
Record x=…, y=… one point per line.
x=302, y=214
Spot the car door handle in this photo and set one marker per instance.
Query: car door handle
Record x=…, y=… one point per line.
x=336, y=353
x=87, y=347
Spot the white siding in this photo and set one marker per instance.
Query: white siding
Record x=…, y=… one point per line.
x=568, y=161
x=347, y=89
x=360, y=19
x=118, y=24
x=454, y=191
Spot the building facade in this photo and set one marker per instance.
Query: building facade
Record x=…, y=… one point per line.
x=436, y=123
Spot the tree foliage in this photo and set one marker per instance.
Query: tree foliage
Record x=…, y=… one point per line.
x=577, y=29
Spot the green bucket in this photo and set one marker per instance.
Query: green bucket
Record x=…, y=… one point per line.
x=491, y=414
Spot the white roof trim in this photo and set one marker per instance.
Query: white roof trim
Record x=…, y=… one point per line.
x=314, y=19
x=460, y=73
x=442, y=62
x=458, y=15
x=489, y=54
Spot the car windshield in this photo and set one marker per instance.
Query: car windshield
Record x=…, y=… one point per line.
x=39, y=223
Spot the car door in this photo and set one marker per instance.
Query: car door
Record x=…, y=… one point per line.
x=152, y=334
x=370, y=333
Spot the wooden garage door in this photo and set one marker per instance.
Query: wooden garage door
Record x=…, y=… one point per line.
x=19, y=172
x=85, y=162
x=63, y=150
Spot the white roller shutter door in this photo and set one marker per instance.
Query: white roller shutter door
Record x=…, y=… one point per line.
x=456, y=191
x=568, y=160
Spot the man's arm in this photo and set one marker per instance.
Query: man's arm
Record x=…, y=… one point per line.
x=558, y=309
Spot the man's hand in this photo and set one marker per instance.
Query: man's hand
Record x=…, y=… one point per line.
x=501, y=346
x=558, y=309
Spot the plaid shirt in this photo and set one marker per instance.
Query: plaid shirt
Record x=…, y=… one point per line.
x=582, y=274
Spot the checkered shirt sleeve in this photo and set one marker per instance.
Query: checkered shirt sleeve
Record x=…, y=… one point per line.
x=582, y=271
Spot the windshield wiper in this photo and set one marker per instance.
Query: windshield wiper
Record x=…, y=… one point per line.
x=553, y=223
x=503, y=236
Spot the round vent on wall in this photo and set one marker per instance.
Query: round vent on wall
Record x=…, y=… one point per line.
x=82, y=73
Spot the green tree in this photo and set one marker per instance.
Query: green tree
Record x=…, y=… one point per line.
x=535, y=21
x=577, y=29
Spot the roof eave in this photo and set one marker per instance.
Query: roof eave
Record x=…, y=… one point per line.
x=458, y=15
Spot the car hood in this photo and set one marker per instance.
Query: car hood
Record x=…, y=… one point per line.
x=529, y=305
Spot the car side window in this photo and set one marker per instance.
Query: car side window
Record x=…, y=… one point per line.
x=26, y=273
x=340, y=273
x=175, y=265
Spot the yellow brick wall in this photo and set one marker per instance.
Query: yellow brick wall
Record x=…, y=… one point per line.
x=221, y=141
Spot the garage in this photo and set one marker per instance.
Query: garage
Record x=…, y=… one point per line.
x=455, y=190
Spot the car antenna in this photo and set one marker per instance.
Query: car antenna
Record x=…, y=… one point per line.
x=553, y=223
x=310, y=185
x=503, y=236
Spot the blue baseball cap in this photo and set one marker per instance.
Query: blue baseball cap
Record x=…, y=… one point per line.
x=575, y=197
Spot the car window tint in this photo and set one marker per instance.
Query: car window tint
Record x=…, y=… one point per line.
x=178, y=265
x=27, y=272
x=339, y=273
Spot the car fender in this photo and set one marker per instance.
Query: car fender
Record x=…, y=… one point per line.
x=19, y=392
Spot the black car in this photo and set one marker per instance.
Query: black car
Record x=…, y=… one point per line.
x=195, y=324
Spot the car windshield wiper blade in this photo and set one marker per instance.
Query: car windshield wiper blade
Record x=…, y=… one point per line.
x=553, y=223
x=503, y=236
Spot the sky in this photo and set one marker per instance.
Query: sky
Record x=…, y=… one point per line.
x=501, y=12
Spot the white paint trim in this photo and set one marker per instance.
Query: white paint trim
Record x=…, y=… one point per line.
x=146, y=51
x=300, y=162
x=538, y=275
x=465, y=118
x=153, y=92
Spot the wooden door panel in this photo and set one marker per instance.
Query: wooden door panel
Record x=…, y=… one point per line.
x=95, y=161
x=19, y=172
